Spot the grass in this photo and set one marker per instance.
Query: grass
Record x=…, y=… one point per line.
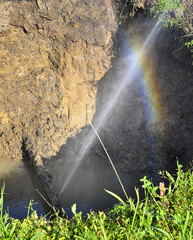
x=165, y=216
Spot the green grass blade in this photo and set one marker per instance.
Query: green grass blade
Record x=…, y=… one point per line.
x=164, y=232
x=1, y=204
x=186, y=224
x=29, y=207
x=117, y=175
x=79, y=237
x=137, y=193
x=12, y=230
x=116, y=196
x=37, y=235
x=103, y=229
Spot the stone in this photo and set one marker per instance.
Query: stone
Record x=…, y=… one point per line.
x=177, y=13
x=53, y=53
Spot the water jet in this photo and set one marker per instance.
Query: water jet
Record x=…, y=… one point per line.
x=125, y=82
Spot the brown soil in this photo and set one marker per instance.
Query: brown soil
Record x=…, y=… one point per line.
x=52, y=55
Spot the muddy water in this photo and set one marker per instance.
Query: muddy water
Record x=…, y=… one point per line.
x=20, y=187
x=86, y=187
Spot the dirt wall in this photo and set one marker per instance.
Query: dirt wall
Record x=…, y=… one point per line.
x=53, y=53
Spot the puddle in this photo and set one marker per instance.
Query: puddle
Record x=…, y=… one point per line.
x=20, y=188
x=86, y=187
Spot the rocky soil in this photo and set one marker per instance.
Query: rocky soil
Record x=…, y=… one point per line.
x=52, y=55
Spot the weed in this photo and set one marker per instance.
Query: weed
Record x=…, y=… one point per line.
x=164, y=8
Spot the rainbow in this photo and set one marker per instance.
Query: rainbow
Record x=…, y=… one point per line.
x=149, y=88
x=151, y=95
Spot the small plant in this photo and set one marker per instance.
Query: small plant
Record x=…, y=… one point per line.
x=189, y=44
x=162, y=10
x=165, y=6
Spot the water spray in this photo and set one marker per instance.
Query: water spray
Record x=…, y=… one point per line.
x=117, y=175
x=126, y=81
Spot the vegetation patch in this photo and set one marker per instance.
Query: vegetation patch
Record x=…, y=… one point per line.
x=176, y=14
x=165, y=213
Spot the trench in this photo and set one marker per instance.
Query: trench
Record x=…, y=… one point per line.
x=149, y=127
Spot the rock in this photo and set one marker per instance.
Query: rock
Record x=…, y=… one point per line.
x=53, y=53
x=46, y=181
x=176, y=13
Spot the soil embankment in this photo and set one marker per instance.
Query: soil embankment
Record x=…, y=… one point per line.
x=53, y=53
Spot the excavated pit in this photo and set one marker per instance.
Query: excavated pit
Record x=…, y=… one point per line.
x=147, y=130
x=53, y=55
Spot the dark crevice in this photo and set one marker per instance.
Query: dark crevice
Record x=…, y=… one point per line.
x=25, y=153
x=24, y=30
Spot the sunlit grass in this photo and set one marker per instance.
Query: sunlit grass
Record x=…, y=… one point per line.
x=168, y=216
